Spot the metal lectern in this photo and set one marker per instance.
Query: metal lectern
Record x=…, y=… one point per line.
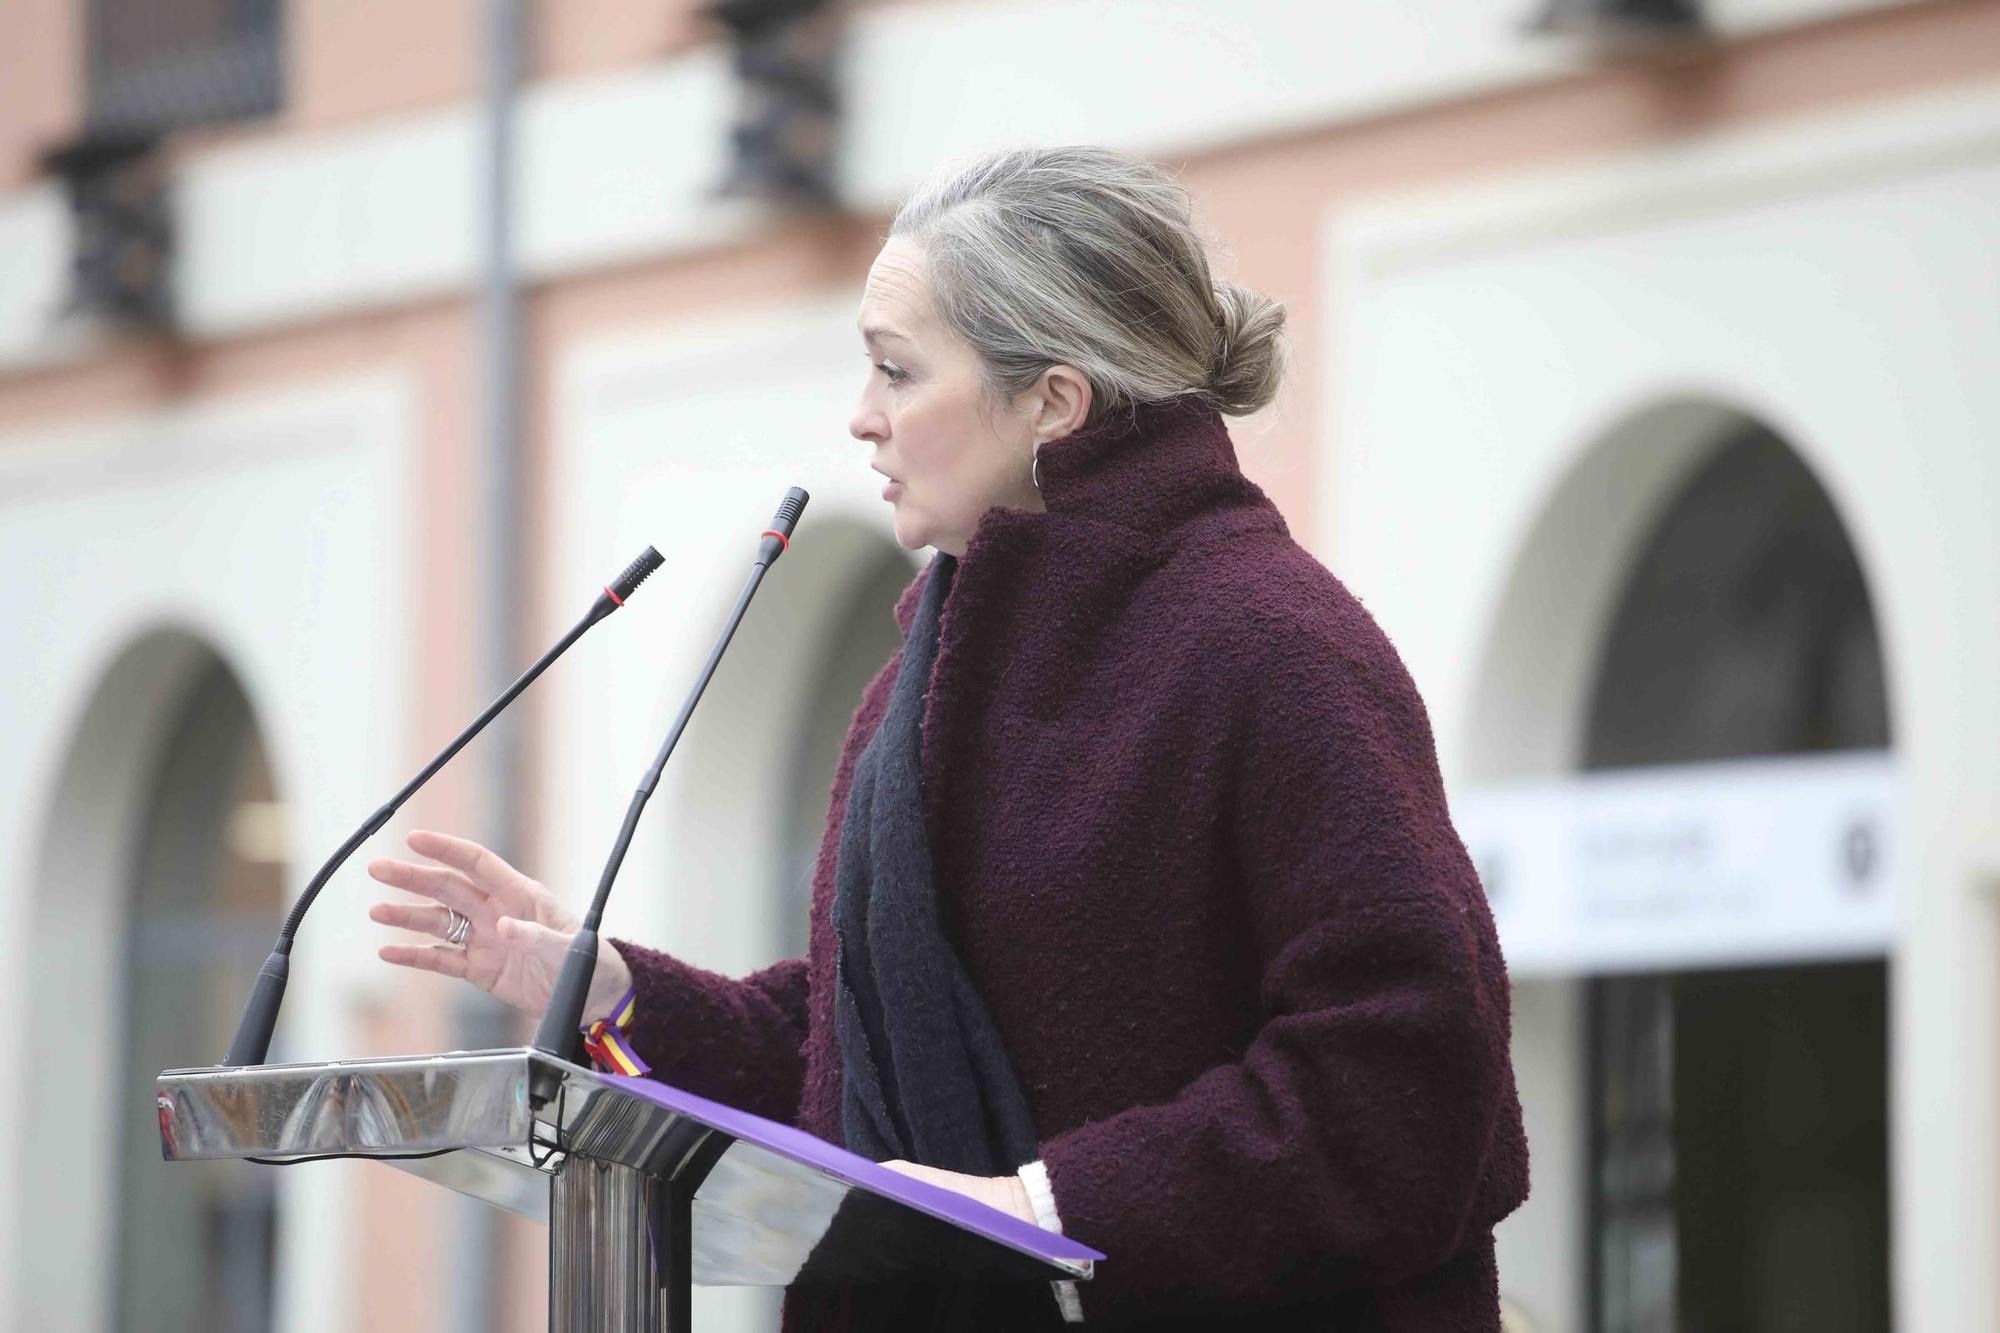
x=645, y=1188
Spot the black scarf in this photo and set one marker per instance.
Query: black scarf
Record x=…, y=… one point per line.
x=924, y=1075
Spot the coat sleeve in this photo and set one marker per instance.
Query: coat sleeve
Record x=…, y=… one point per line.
x=1358, y=1139
x=734, y=1040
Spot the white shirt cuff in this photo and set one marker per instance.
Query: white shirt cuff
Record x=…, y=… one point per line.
x=1035, y=1177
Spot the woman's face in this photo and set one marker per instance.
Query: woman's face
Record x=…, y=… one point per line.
x=949, y=454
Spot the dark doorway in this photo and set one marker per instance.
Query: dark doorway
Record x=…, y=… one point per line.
x=1739, y=1117
x=1741, y=1126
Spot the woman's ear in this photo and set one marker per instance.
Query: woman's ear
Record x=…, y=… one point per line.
x=1064, y=403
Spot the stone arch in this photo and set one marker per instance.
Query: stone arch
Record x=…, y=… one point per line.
x=1623, y=636
x=146, y=752
x=860, y=638
x=1539, y=654
x=752, y=772
x=1745, y=626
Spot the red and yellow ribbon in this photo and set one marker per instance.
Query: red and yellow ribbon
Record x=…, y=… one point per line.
x=610, y=1049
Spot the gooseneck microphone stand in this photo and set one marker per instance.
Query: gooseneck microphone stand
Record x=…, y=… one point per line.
x=560, y=1033
x=260, y=1014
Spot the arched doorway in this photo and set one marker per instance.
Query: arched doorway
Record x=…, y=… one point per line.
x=1739, y=1115
x=1678, y=787
x=164, y=860
x=746, y=795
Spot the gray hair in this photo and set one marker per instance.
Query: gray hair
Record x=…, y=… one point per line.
x=1090, y=257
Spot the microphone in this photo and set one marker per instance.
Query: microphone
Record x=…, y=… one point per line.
x=260, y=1013
x=560, y=1033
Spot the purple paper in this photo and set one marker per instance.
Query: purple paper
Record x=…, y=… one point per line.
x=799, y=1146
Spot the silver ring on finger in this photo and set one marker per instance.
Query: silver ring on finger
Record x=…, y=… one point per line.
x=457, y=926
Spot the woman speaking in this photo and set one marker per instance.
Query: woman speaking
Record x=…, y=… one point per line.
x=1138, y=911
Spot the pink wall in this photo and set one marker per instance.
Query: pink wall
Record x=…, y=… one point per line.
x=41, y=85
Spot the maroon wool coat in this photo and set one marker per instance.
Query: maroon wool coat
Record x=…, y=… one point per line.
x=1193, y=847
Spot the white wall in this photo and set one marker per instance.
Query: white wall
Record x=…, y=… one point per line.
x=1542, y=1247
x=1833, y=278
x=270, y=529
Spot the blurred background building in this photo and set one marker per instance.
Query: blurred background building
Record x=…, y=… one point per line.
x=1645, y=391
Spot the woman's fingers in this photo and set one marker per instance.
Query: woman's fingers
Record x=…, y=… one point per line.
x=511, y=947
x=445, y=886
x=424, y=918
x=483, y=868
x=426, y=958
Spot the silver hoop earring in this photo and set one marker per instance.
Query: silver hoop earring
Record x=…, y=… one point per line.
x=1035, y=469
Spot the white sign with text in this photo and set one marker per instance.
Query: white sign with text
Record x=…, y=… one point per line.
x=1715, y=864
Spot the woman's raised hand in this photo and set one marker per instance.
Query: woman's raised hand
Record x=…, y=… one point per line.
x=518, y=934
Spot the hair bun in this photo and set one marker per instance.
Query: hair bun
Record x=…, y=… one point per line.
x=1249, y=350
x=1090, y=257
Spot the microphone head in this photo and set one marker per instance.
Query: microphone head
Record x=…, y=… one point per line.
x=777, y=538
x=789, y=510
x=635, y=574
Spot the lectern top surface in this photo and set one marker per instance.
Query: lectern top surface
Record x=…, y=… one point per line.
x=777, y=1206
x=808, y=1150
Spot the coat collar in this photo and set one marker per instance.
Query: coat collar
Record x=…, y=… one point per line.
x=1143, y=470
x=1144, y=467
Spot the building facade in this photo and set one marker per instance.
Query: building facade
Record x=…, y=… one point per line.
x=1644, y=394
